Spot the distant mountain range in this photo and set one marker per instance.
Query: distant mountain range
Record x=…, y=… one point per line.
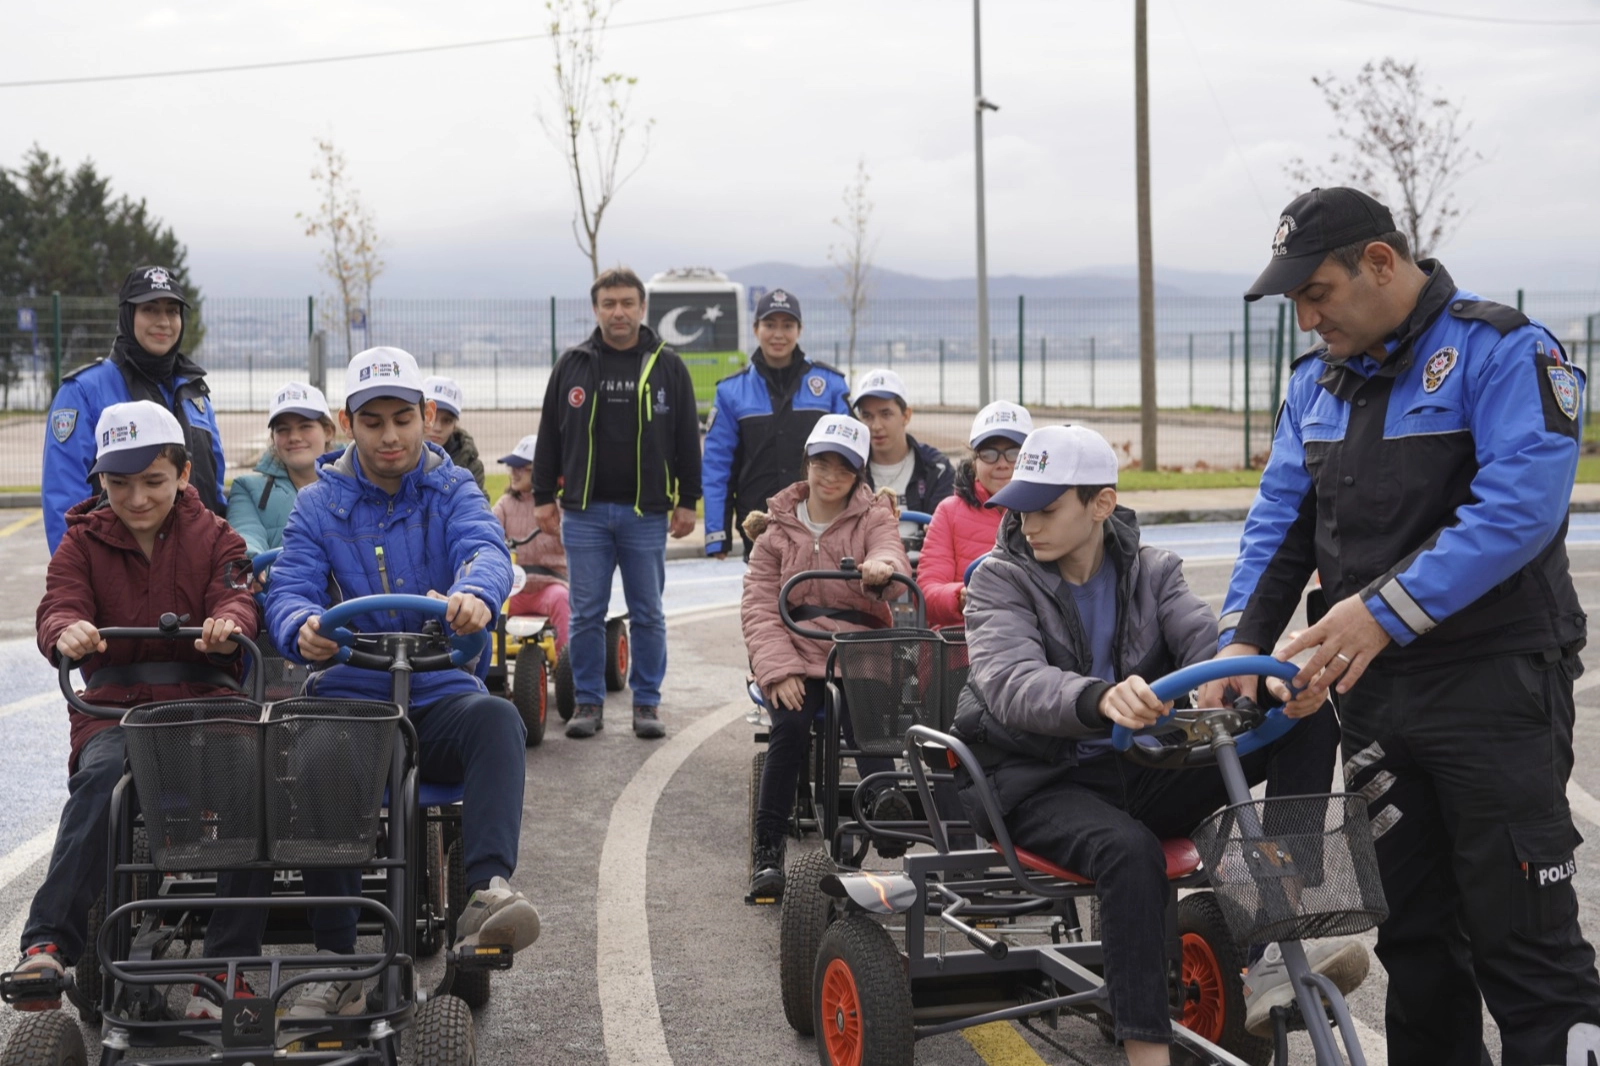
x=1094, y=282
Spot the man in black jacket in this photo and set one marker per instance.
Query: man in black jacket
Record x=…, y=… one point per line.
x=619, y=441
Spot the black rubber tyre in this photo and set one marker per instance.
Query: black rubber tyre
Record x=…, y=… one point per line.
x=804, y=917
x=86, y=975
x=618, y=654
x=758, y=764
x=435, y=890
x=443, y=1035
x=862, y=998
x=47, y=1038
x=471, y=986
x=1210, y=973
x=566, y=695
x=530, y=693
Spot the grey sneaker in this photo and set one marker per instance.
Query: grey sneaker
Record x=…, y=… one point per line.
x=1267, y=985
x=587, y=720
x=647, y=724
x=321, y=999
x=498, y=916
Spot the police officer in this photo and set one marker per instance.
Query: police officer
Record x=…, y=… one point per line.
x=1422, y=464
x=760, y=420
x=144, y=364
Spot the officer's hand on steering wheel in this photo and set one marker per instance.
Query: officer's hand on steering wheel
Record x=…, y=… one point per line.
x=465, y=613
x=1130, y=703
x=1213, y=693
x=1347, y=639
x=315, y=648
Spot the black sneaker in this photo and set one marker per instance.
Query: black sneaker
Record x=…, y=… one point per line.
x=890, y=805
x=587, y=720
x=766, y=882
x=647, y=724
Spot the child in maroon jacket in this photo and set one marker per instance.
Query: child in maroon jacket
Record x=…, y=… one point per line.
x=151, y=548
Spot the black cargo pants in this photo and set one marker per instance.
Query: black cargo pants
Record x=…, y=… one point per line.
x=1465, y=770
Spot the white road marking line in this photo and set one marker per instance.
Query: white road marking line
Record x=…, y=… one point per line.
x=41, y=700
x=1373, y=1044
x=16, y=862
x=1586, y=682
x=630, y=1016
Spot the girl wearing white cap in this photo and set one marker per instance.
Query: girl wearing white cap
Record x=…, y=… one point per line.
x=301, y=429
x=963, y=528
x=543, y=558
x=445, y=428
x=812, y=525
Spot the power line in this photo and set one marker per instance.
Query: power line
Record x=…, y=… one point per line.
x=279, y=63
x=1503, y=20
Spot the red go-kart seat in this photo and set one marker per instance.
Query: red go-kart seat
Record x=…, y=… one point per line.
x=1183, y=859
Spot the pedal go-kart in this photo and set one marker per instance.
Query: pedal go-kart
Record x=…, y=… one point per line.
x=525, y=659
x=1279, y=869
x=236, y=785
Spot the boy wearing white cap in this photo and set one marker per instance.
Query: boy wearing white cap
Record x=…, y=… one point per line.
x=963, y=528
x=1066, y=619
x=917, y=474
x=812, y=525
x=301, y=429
x=542, y=558
x=444, y=429
x=152, y=547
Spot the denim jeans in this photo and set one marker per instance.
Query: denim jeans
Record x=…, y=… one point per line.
x=789, y=740
x=599, y=539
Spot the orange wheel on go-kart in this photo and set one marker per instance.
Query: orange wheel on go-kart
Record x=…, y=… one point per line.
x=1212, y=988
x=530, y=692
x=1204, y=1013
x=861, y=997
x=841, y=1015
x=616, y=654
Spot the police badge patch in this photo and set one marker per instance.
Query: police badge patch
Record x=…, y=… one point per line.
x=816, y=384
x=63, y=420
x=1438, y=368
x=1564, y=384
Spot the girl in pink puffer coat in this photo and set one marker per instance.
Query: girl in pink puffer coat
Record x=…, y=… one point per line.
x=812, y=525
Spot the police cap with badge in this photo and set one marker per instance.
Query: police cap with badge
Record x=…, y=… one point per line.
x=1313, y=225
x=147, y=283
x=778, y=302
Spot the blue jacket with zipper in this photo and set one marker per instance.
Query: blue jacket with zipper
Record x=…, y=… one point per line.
x=348, y=535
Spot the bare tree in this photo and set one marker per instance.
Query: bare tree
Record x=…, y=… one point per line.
x=595, y=123
x=350, y=257
x=1400, y=141
x=853, y=257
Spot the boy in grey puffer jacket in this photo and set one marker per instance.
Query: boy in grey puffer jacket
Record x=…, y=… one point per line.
x=1066, y=620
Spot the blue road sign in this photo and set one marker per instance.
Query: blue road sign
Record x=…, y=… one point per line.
x=358, y=318
x=754, y=294
x=27, y=322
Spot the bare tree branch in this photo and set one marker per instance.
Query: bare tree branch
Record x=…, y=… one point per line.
x=1401, y=142
x=853, y=257
x=351, y=258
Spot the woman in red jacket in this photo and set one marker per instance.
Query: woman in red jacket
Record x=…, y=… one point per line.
x=154, y=548
x=963, y=528
x=812, y=525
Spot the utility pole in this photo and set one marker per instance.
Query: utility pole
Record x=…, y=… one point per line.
x=979, y=104
x=1147, y=286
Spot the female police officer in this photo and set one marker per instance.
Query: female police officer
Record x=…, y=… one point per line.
x=145, y=364
x=1422, y=464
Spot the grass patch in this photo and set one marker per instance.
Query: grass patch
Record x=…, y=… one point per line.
x=1588, y=469
x=1136, y=480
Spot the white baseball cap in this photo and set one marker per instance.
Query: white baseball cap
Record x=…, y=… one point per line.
x=841, y=435
x=885, y=383
x=129, y=435
x=1001, y=419
x=380, y=372
x=298, y=398
x=522, y=454
x=1053, y=460
x=444, y=392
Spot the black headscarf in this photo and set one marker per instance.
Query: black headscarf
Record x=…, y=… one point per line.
x=158, y=368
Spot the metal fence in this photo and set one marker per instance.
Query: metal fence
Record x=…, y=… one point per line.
x=1220, y=363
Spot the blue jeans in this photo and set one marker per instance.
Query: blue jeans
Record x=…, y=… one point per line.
x=599, y=539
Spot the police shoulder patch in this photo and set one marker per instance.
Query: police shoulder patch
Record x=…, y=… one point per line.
x=1564, y=384
x=1503, y=318
x=1560, y=388
x=63, y=420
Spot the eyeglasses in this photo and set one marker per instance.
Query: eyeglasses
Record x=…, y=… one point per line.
x=994, y=455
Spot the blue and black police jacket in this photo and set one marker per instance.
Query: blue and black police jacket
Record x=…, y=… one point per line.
x=1433, y=484
x=755, y=444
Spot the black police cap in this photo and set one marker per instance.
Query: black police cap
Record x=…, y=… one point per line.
x=1312, y=226
x=147, y=283
x=778, y=302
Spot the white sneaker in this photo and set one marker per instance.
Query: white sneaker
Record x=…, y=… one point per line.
x=322, y=999
x=1267, y=985
x=498, y=916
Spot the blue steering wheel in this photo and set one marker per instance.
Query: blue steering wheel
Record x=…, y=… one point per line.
x=462, y=649
x=921, y=518
x=1274, y=725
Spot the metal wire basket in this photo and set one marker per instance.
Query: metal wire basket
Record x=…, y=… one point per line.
x=327, y=761
x=893, y=679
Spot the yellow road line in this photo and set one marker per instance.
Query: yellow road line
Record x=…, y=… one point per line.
x=22, y=523
x=999, y=1044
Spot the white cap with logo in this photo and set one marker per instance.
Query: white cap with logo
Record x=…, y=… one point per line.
x=1001, y=419
x=298, y=398
x=841, y=435
x=444, y=392
x=884, y=383
x=522, y=454
x=1054, y=459
x=129, y=436
x=379, y=372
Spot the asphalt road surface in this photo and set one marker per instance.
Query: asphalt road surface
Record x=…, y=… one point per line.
x=635, y=852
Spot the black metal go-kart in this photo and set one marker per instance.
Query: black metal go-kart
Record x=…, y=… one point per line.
x=884, y=972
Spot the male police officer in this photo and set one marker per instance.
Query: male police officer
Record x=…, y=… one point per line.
x=145, y=364
x=760, y=420
x=1422, y=464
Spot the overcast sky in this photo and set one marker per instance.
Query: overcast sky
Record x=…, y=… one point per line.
x=761, y=114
